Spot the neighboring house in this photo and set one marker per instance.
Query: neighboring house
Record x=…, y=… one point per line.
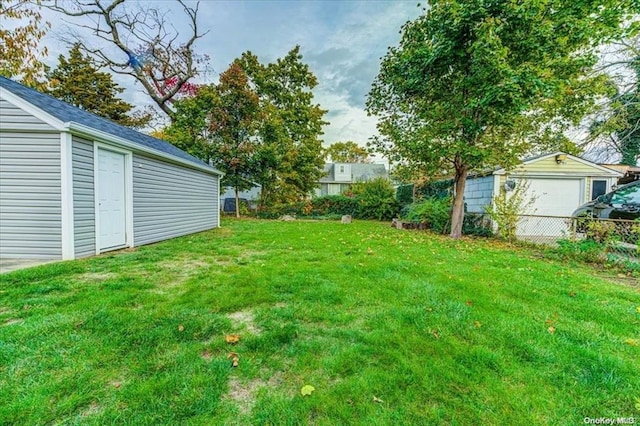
x=251, y=195
x=73, y=184
x=558, y=183
x=339, y=176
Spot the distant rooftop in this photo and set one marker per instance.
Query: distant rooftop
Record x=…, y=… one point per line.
x=359, y=172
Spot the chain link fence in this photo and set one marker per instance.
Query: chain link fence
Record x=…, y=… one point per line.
x=604, y=239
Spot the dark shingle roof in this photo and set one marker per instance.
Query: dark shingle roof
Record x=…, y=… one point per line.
x=68, y=113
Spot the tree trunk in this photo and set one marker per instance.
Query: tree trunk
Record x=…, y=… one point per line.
x=235, y=188
x=457, y=212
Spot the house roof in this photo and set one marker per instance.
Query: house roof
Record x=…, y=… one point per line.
x=359, y=172
x=530, y=160
x=66, y=117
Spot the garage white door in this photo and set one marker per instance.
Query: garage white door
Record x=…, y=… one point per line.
x=110, y=190
x=553, y=197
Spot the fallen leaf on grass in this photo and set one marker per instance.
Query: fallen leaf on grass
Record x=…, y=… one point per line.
x=181, y=328
x=638, y=309
x=632, y=342
x=435, y=334
x=235, y=360
x=307, y=390
x=232, y=338
x=572, y=294
x=468, y=303
x=551, y=329
x=378, y=400
x=478, y=324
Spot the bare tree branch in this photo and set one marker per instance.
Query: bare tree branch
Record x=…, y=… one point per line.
x=155, y=55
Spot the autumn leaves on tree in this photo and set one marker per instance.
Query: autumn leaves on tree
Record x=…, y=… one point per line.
x=258, y=125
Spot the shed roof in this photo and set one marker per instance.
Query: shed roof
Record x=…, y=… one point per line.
x=68, y=114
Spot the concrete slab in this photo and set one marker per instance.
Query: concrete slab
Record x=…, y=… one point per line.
x=8, y=265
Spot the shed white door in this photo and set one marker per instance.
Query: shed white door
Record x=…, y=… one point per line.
x=110, y=192
x=553, y=197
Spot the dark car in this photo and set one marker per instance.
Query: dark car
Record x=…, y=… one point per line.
x=622, y=203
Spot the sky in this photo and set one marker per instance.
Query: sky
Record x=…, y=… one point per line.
x=341, y=41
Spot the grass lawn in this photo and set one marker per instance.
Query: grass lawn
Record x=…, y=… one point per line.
x=388, y=326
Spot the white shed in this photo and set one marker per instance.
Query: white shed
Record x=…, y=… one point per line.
x=73, y=184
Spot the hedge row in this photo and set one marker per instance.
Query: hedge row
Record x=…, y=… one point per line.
x=374, y=199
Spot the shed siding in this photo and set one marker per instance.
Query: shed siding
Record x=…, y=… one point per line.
x=83, y=198
x=14, y=118
x=30, y=196
x=478, y=193
x=170, y=200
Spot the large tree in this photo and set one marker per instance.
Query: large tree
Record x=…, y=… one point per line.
x=476, y=83
x=347, y=152
x=78, y=81
x=141, y=42
x=234, y=121
x=291, y=156
x=220, y=124
x=616, y=128
x=282, y=151
x=21, y=29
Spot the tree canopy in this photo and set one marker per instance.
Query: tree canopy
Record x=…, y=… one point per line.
x=78, y=81
x=292, y=159
x=346, y=152
x=616, y=127
x=20, y=55
x=477, y=83
x=258, y=125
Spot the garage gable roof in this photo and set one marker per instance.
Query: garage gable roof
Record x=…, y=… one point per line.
x=601, y=170
x=72, y=118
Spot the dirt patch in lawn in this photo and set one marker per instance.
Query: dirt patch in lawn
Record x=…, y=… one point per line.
x=93, y=409
x=243, y=394
x=206, y=355
x=98, y=276
x=13, y=321
x=245, y=319
x=174, y=272
x=184, y=264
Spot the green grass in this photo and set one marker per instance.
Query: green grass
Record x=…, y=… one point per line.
x=389, y=326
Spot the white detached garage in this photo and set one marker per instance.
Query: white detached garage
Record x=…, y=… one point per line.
x=557, y=182
x=73, y=184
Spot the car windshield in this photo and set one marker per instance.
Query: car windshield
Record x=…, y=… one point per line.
x=627, y=195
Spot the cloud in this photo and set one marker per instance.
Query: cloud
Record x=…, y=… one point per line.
x=348, y=122
x=342, y=41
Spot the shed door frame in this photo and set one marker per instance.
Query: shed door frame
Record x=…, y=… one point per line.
x=128, y=193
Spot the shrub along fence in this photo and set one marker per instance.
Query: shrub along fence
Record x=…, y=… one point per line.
x=410, y=193
x=593, y=240
x=374, y=199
